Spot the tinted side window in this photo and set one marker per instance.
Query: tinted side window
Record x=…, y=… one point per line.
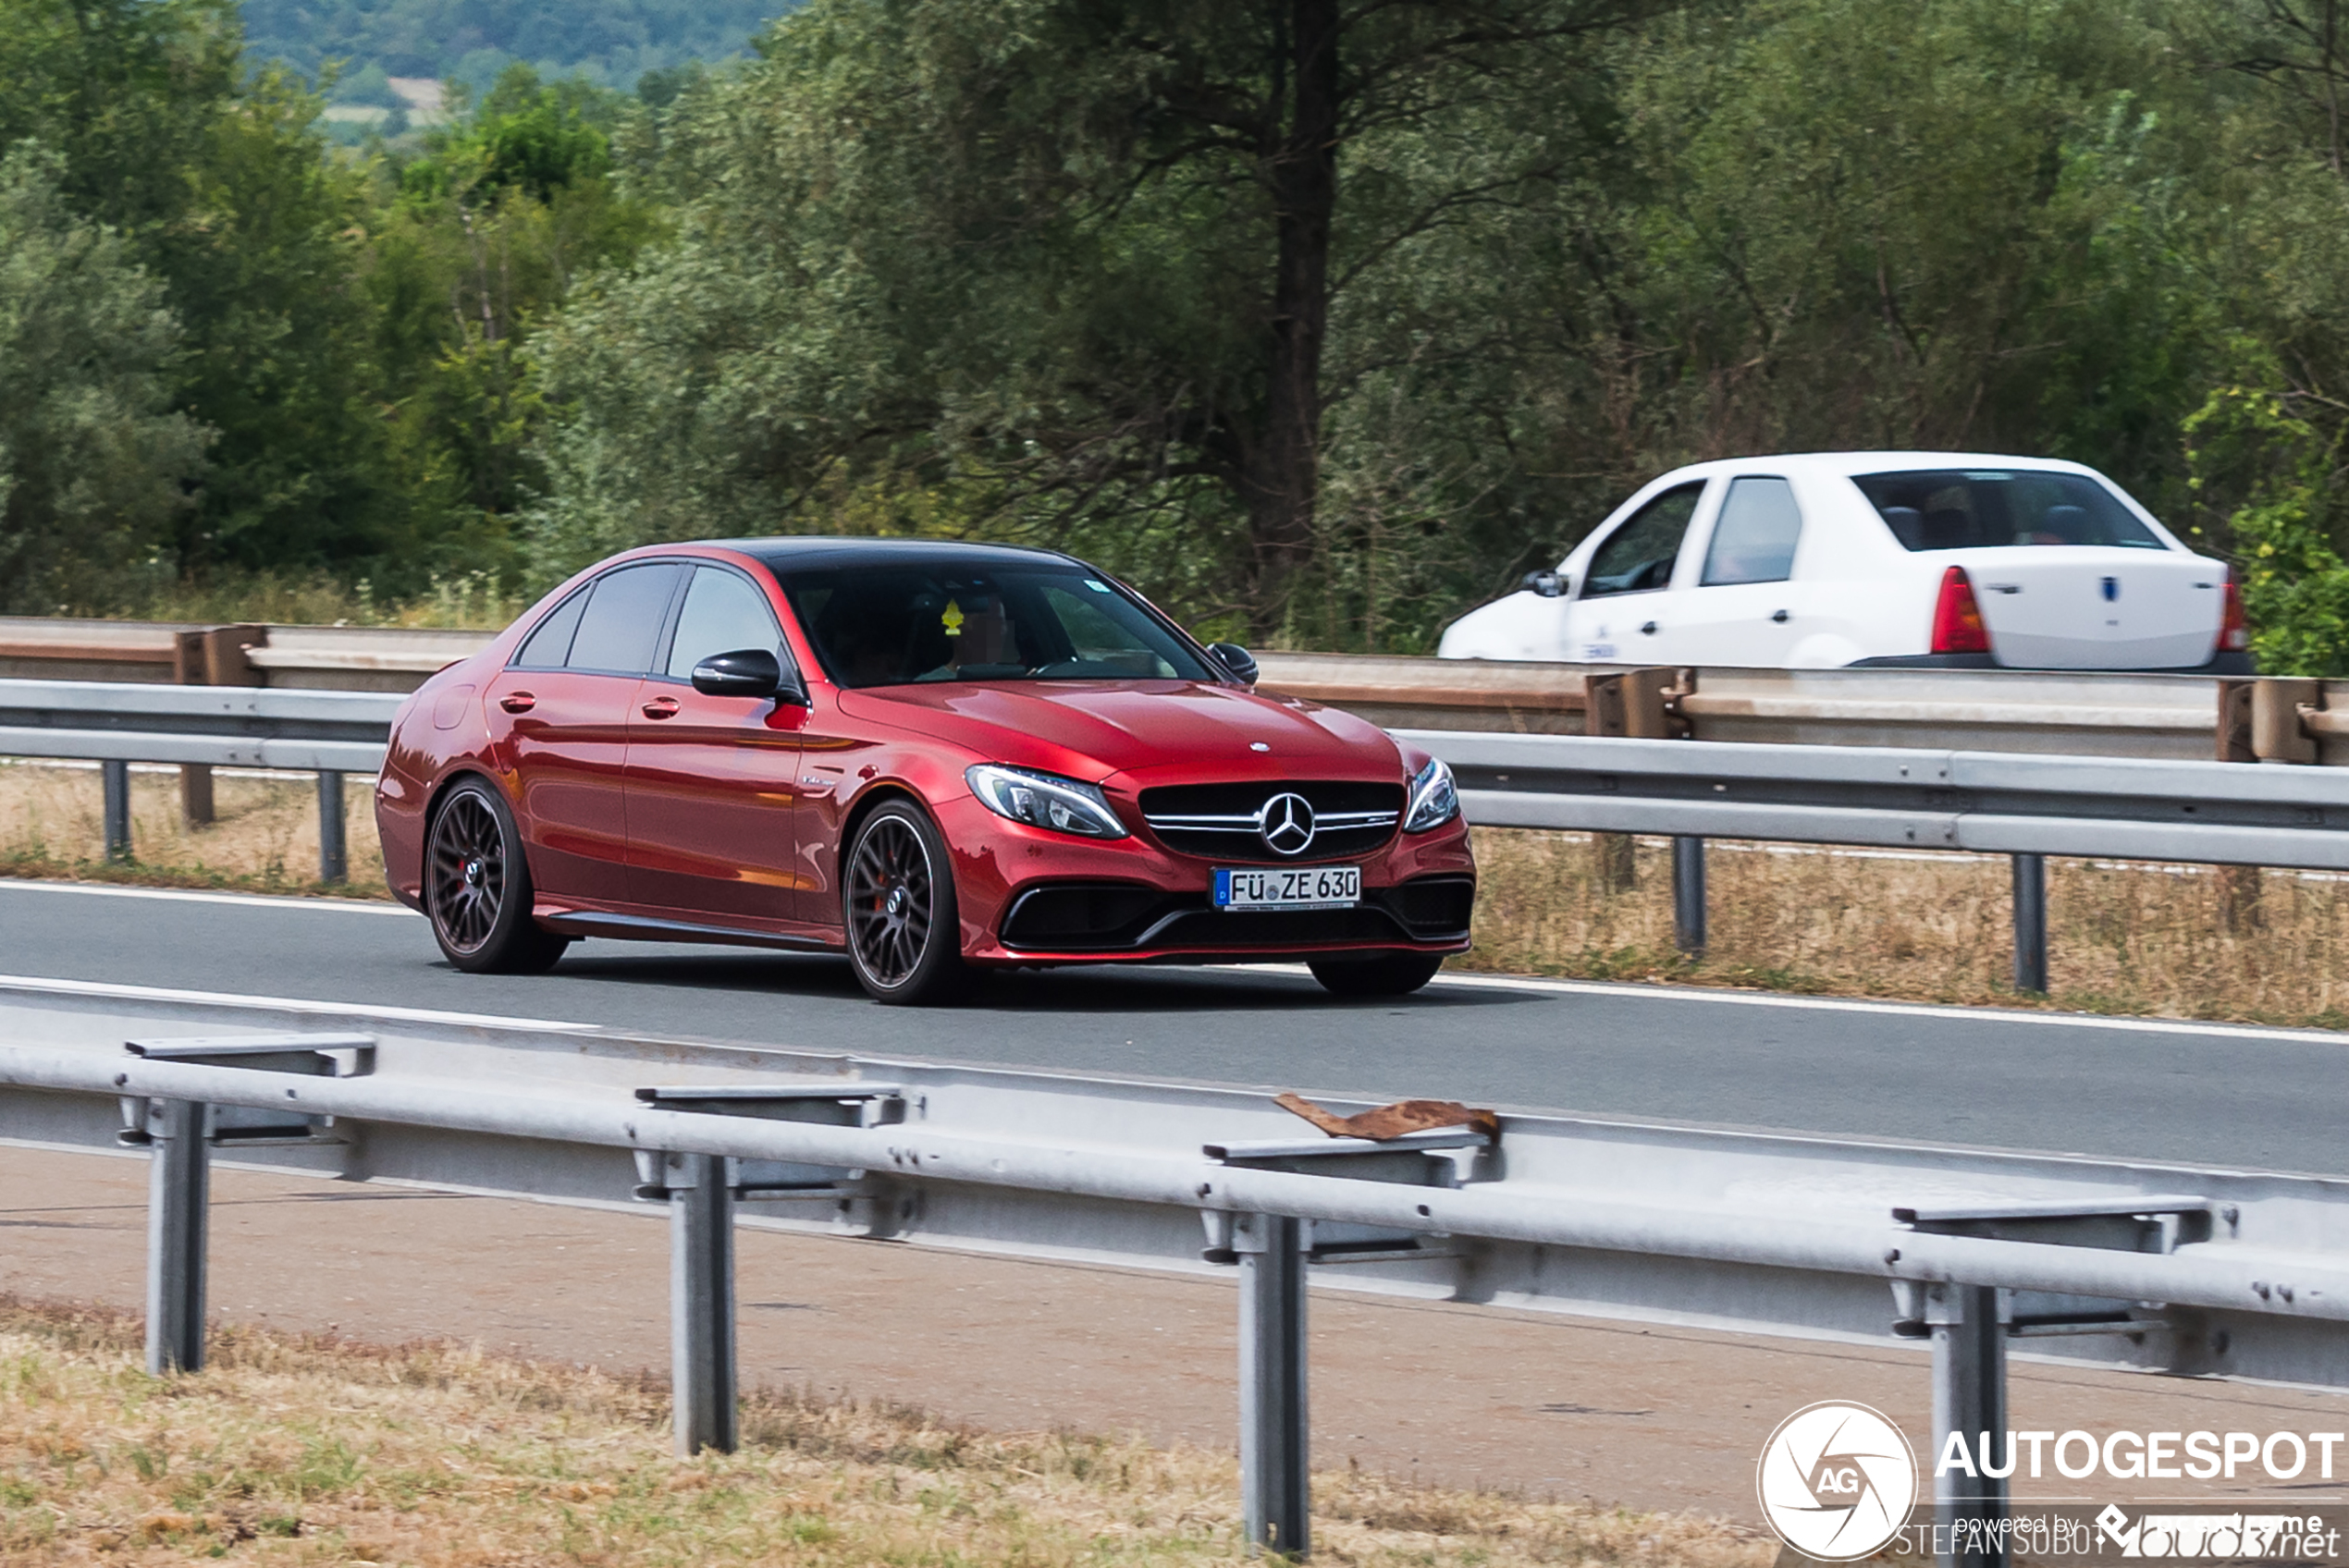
x=623, y=618
x=1639, y=556
x=549, y=646
x=723, y=614
x=1753, y=541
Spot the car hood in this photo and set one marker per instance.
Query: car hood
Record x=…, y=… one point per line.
x=1095, y=730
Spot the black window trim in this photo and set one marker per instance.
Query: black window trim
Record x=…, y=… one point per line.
x=1582, y=587
x=513, y=661
x=676, y=612
x=667, y=622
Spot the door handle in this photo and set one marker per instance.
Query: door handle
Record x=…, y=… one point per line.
x=1649, y=629
x=518, y=701
x=661, y=707
x=1780, y=617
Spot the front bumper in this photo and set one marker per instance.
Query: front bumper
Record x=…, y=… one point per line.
x=1077, y=921
x=1029, y=897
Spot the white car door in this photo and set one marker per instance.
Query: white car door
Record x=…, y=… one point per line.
x=1623, y=608
x=1742, y=610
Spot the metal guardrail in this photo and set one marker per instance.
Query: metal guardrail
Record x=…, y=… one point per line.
x=350, y=658
x=329, y=733
x=1986, y=802
x=2076, y=713
x=2026, y=805
x=225, y=726
x=2166, y=1268
x=2019, y=804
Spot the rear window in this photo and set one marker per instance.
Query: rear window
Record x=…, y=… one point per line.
x=1972, y=509
x=893, y=626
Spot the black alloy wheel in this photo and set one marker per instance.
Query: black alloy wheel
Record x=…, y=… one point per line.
x=477, y=887
x=1375, y=975
x=898, y=896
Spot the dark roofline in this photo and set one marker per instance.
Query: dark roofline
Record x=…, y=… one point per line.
x=782, y=547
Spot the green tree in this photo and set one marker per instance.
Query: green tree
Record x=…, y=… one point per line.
x=217, y=182
x=475, y=244
x=93, y=461
x=1087, y=261
x=2281, y=468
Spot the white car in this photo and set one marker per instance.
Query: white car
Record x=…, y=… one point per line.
x=1932, y=559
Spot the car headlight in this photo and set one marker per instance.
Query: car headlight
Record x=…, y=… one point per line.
x=1044, y=799
x=1433, y=799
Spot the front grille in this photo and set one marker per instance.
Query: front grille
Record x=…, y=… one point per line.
x=1213, y=930
x=1220, y=821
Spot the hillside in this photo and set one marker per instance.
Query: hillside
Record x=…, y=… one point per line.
x=612, y=42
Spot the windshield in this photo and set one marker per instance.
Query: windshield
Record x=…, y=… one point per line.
x=896, y=626
x=1967, y=508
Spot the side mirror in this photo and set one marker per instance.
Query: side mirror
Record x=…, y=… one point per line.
x=1549, y=585
x=747, y=672
x=1236, y=659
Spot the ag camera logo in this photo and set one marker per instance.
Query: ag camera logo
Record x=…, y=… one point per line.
x=1837, y=1481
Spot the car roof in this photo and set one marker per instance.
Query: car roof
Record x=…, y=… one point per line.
x=813, y=553
x=1850, y=463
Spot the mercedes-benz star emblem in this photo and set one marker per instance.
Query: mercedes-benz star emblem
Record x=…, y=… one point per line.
x=1287, y=824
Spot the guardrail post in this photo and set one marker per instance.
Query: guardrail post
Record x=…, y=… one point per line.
x=2031, y=923
x=701, y=1303
x=188, y=667
x=334, y=855
x=1969, y=1398
x=1276, y=1488
x=227, y=654
x=116, y=774
x=2280, y=705
x=179, y=1201
x=1688, y=894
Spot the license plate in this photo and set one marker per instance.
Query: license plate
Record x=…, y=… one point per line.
x=1305, y=886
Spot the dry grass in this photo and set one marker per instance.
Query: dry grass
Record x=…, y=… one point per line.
x=264, y=838
x=473, y=601
x=303, y=1451
x=2178, y=941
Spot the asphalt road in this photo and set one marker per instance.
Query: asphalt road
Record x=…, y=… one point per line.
x=2203, y=1095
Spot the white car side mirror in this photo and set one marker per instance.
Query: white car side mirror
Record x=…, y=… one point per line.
x=1548, y=585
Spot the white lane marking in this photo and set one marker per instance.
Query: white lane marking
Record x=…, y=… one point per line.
x=187, y=895
x=1635, y=991
x=1895, y=1010
x=1620, y=989
x=39, y=984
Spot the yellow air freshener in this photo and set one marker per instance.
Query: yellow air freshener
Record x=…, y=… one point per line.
x=953, y=619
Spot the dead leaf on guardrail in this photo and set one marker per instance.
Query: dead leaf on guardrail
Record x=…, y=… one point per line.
x=1392, y=1120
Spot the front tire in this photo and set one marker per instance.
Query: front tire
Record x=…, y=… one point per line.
x=897, y=900
x=1375, y=975
x=477, y=888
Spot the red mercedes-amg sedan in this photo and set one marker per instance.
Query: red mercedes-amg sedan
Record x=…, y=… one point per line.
x=941, y=758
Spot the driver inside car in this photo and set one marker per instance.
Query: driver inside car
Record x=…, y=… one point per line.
x=980, y=641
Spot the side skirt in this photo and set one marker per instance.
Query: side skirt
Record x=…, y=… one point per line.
x=649, y=929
